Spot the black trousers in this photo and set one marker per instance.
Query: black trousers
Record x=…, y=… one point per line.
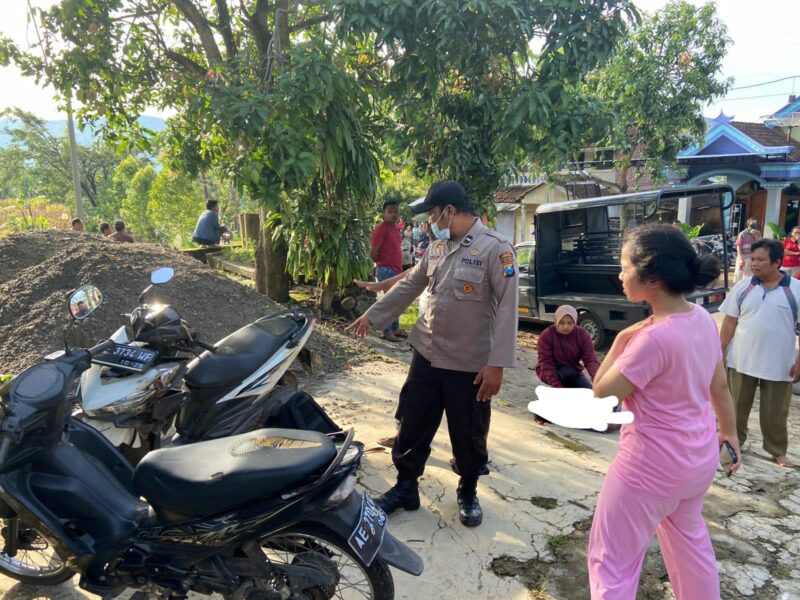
x=427, y=394
x=570, y=378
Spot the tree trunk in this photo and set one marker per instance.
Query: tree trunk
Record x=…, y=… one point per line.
x=623, y=179
x=272, y=280
x=326, y=295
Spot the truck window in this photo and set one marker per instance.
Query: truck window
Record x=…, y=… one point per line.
x=524, y=258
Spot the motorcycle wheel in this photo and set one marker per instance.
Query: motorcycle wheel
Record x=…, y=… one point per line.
x=313, y=544
x=36, y=561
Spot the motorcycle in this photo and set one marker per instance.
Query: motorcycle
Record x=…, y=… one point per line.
x=272, y=514
x=156, y=387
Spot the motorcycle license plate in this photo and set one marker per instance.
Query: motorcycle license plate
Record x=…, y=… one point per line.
x=367, y=536
x=128, y=358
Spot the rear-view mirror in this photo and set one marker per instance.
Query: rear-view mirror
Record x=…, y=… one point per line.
x=84, y=301
x=162, y=275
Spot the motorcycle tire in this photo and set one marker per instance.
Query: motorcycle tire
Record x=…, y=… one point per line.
x=377, y=577
x=28, y=541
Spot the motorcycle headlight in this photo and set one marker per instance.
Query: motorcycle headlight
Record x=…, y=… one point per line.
x=136, y=403
x=132, y=404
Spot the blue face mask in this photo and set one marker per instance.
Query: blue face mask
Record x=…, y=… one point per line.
x=441, y=234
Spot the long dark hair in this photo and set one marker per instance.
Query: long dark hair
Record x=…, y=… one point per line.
x=663, y=253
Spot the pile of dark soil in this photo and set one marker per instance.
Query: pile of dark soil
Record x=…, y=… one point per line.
x=39, y=269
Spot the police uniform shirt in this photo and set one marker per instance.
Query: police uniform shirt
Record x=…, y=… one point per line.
x=471, y=320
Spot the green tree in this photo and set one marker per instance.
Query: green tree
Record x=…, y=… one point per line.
x=134, y=209
x=175, y=201
x=37, y=162
x=263, y=91
x=660, y=78
x=468, y=93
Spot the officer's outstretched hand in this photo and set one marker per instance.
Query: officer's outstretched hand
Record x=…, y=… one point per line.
x=490, y=380
x=360, y=327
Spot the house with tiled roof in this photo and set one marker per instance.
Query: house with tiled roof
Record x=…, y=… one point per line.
x=760, y=161
x=517, y=201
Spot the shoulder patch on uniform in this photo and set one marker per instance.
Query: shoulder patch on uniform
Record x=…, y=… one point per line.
x=507, y=263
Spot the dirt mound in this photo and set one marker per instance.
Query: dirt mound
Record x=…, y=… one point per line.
x=39, y=269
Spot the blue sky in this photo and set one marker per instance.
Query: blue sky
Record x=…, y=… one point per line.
x=765, y=47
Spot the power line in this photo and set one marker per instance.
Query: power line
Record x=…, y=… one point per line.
x=753, y=97
x=745, y=87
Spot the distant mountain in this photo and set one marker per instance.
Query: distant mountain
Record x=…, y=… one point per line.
x=59, y=127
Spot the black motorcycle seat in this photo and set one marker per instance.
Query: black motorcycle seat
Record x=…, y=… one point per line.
x=241, y=353
x=212, y=477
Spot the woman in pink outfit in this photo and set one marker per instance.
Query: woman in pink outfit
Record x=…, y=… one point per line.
x=669, y=371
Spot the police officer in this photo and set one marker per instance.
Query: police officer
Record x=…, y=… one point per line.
x=462, y=343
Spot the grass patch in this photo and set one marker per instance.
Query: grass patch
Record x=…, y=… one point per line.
x=545, y=503
x=569, y=444
x=245, y=255
x=781, y=571
x=557, y=540
x=409, y=318
x=300, y=295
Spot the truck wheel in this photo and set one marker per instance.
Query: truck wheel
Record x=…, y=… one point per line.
x=594, y=327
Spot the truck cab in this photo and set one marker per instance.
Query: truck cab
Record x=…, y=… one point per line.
x=574, y=258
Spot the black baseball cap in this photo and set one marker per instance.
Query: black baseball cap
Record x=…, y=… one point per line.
x=443, y=193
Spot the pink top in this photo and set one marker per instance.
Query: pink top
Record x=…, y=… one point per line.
x=671, y=449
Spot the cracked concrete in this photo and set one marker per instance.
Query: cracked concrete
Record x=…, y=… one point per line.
x=527, y=551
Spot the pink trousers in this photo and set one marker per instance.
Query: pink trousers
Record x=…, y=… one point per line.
x=623, y=528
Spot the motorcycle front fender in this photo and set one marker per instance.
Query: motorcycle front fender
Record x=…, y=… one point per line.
x=343, y=518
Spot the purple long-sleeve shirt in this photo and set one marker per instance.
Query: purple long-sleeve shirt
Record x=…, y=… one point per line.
x=557, y=350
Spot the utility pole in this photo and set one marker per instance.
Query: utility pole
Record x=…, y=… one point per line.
x=73, y=147
x=73, y=158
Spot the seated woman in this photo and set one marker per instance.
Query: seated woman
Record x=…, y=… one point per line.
x=564, y=351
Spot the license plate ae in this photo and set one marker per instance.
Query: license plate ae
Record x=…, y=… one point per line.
x=367, y=536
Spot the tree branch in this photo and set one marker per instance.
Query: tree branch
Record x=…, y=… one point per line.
x=187, y=63
x=225, y=27
x=309, y=22
x=203, y=29
x=257, y=22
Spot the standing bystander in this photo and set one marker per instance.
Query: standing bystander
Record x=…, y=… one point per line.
x=758, y=339
x=744, y=243
x=407, y=247
x=791, y=252
x=387, y=253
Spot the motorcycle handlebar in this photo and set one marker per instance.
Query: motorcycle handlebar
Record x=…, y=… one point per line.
x=205, y=345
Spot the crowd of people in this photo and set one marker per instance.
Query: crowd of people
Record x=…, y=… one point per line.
x=689, y=385
x=119, y=233
x=208, y=231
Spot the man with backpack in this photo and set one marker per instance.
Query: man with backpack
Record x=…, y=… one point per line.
x=758, y=340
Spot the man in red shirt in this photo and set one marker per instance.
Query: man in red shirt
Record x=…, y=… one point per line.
x=388, y=256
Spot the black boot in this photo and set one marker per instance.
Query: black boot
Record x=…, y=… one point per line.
x=404, y=494
x=469, y=509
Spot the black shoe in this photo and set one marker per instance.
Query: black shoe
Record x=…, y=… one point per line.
x=484, y=470
x=404, y=494
x=469, y=510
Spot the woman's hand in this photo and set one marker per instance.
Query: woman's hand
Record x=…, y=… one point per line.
x=624, y=336
x=733, y=440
